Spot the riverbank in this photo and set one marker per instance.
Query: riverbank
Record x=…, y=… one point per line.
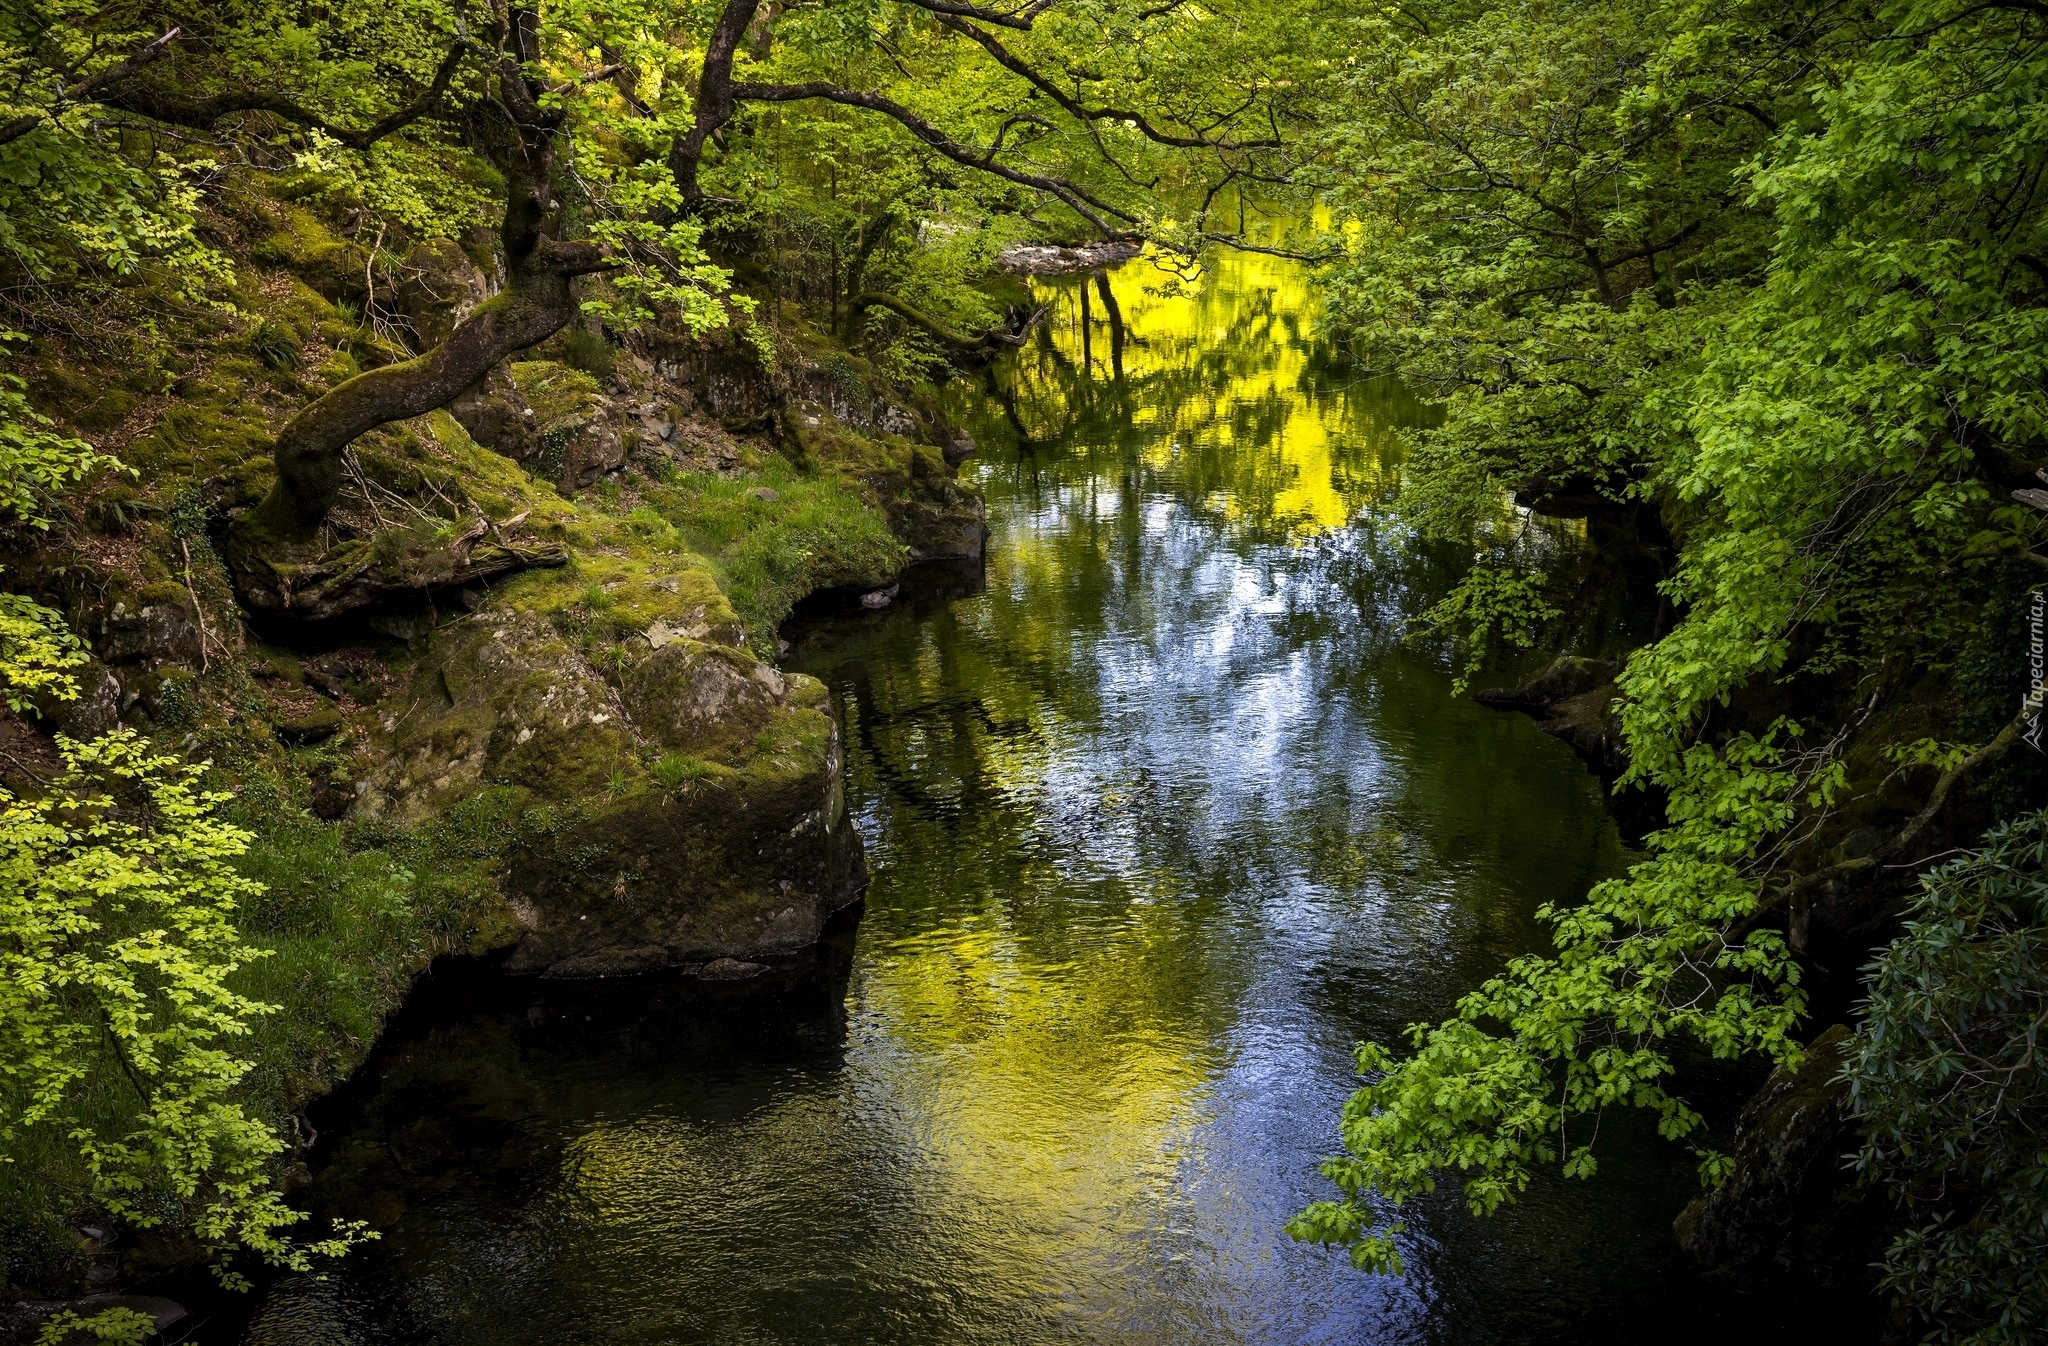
x=517, y=703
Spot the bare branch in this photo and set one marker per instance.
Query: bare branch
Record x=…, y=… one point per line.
x=1075, y=198
x=1009, y=61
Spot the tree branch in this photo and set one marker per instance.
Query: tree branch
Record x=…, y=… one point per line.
x=113, y=74
x=985, y=344
x=204, y=113
x=1021, y=20
x=1075, y=198
x=1009, y=61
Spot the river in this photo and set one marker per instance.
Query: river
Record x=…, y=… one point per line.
x=1163, y=815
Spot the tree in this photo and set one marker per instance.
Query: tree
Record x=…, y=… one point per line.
x=596, y=117
x=1946, y=1076
x=1823, y=361
x=117, y=953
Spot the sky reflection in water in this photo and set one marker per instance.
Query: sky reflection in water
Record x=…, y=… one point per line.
x=1161, y=822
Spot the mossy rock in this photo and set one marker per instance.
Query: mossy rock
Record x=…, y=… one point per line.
x=312, y=726
x=711, y=701
x=332, y=266
x=744, y=863
x=501, y=698
x=937, y=517
x=748, y=853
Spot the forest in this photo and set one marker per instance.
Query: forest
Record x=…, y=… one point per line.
x=425, y=427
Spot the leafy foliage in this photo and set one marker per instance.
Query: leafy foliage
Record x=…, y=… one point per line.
x=1947, y=1077
x=1775, y=271
x=117, y=939
x=126, y=1327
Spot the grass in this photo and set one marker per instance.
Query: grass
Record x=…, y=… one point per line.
x=675, y=770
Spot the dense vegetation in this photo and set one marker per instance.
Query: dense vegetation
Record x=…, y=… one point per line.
x=1768, y=280
x=1773, y=276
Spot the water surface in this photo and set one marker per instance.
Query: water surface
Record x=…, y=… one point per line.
x=1163, y=816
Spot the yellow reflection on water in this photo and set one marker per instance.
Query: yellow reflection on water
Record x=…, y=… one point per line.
x=1222, y=381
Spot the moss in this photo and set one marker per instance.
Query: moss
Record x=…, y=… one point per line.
x=774, y=538
x=309, y=726
x=352, y=914
x=86, y=399
x=664, y=580
x=303, y=245
x=556, y=392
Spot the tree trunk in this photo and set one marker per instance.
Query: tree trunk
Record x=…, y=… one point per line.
x=517, y=133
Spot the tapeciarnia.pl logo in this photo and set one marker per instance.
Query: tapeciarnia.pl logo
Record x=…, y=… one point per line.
x=2037, y=665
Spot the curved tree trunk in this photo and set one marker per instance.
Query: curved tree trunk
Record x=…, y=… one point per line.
x=535, y=304
x=517, y=133
x=979, y=348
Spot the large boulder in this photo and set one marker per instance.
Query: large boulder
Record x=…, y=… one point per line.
x=681, y=807
x=497, y=415
x=578, y=424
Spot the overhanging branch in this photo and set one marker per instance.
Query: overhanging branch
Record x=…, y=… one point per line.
x=203, y=113
x=113, y=74
x=1081, y=202
x=1016, y=65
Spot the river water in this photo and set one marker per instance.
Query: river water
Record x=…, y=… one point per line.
x=1163, y=816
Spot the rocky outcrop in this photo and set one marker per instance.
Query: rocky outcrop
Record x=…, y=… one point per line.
x=685, y=809
x=1044, y=259
x=1792, y=1208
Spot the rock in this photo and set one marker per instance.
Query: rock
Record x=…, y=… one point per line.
x=576, y=451
x=312, y=582
x=335, y=269
x=153, y=632
x=742, y=863
x=747, y=854
x=414, y=625
x=319, y=723
x=880, y=598
x=612, y=962
x=1563, y=678
x=28, y=1315
x=437, y=289
x=689, y=696
x=333, y=794
x=730, y=969
x=500, y=696
x=496, y=415
x=958, y=448
x=1791, y=1204
x=666, y=632
x=97, y=708
x=767, y=495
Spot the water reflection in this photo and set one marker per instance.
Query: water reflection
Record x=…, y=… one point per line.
x=1163, y=817
x=1224, y=384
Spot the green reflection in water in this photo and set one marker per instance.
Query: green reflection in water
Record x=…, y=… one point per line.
x=1162, y=817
